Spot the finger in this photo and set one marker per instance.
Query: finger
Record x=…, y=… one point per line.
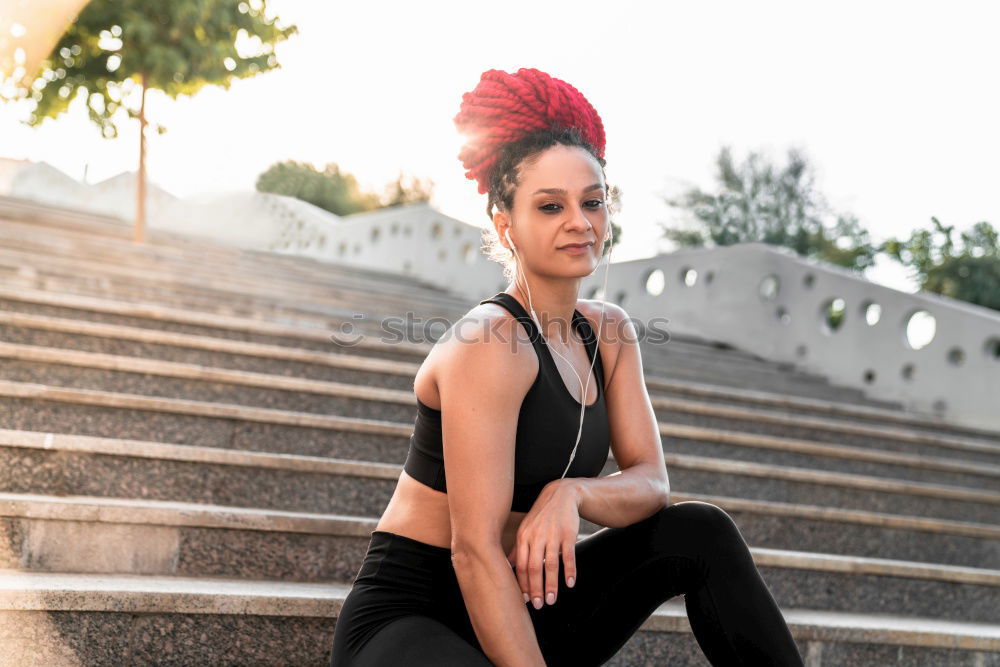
x=552, y=573
x=535, y=554
x=522, y=569
x=569, y=562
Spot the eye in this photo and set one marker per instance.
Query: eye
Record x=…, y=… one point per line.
x=592, y=204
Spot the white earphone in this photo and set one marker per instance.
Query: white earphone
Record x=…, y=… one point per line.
x=583, y=399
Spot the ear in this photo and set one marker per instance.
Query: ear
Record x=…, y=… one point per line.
x=501, y=223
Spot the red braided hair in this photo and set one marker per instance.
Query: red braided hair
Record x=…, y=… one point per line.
x=504, y=107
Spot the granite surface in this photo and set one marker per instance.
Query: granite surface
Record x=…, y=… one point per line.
x=682, y=445
x=75, y=473
x=211, y=358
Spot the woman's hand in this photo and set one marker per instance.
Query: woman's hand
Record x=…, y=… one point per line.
x=548, y=531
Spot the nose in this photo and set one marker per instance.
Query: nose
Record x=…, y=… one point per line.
x=579, y=220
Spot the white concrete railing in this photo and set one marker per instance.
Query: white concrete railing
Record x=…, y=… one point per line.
x=414, y=240
x=934, y=354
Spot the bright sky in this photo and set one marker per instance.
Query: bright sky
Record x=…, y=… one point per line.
x=895, y=103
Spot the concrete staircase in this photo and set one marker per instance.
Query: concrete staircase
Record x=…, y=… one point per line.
x=190, y=467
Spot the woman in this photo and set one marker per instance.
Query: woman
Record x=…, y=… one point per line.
x=475, y=560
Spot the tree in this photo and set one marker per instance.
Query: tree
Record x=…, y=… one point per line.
x=757, y=201
x=177, y=47
x=397, y=192
x=330, y=189
x=970, y=272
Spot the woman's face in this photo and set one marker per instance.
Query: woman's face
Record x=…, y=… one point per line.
x=560, y=200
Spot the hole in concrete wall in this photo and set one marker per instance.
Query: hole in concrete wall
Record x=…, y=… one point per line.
x=832, y=314
x=709, y=277
x=869, y=376
x=376, y=233
x=469, y=252
x=920, y=329
x=907, y=372
x=597, y=293
x=783, y=315
x=992, y=348
x=871, y=312
x=436, y=230
x=768, y=288
x=654, y=282
x=342, y=248
x=689, y=276
x=801, y=351
x=956, y=356
x=456, y=230
x=394, y=229
x=620, y=297
x=809, y=280
x=940, y=405
x=442, y=255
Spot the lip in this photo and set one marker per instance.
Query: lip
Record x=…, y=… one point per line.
x=577, y=248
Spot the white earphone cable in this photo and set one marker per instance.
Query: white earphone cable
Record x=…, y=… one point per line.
x=583, y=405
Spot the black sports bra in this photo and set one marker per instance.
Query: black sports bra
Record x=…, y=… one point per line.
x=546, y=425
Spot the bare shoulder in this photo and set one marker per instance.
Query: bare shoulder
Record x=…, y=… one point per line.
x=487, y=340
x=617, y=329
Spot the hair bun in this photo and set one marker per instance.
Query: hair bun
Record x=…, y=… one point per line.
x=504, y=107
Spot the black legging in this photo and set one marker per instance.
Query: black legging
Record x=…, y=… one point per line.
x=406, y=608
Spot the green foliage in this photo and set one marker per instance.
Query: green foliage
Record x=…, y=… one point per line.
x=970, y=271
x=176, y=47
x=757, y=201
x=330, y=189
x=398, y=192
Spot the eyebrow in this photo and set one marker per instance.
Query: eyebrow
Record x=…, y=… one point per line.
x=560, y=191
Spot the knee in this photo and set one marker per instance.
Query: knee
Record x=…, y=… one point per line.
x=699, y=522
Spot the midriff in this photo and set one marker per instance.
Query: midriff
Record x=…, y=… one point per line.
x=421, y=513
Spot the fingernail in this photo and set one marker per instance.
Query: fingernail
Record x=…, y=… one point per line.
x=538, y=603
x=527, y=598
x=551, y=598
x=572, y=580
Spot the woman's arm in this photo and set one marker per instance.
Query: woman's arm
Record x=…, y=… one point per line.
x=482, y=381
x=642, y=486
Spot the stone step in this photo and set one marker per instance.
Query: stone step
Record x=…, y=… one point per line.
x=333, y=318
x=140, y=272
x=389, y=350
x=453, y=308
x=58, y=464
x=180, y=249
x=129, y=374
x=52, y=618
x=714, y=368
x=202, y=324
x=891, y=416
x=128, y=536
x=32, y=406
x=153, y=344
x=177, y=320
x=85, y=465
x=68, y=333
x=127, y=273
